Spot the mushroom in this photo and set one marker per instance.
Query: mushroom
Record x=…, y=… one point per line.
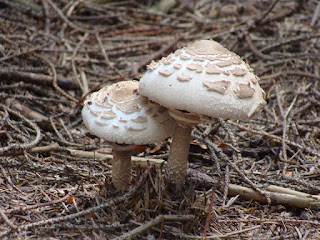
x=122, y=117
x=197, y=83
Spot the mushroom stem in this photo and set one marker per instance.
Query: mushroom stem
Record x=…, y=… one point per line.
x=178, y=156
x=121, y=169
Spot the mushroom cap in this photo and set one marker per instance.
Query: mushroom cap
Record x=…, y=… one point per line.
x=204, y=78
x=117, y=113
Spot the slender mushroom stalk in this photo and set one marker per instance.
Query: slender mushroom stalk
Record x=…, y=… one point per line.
x=121, y=165
x=179, y=149
x=121, y=169
x=122, y=117
x=179, y=152
x=199, y=82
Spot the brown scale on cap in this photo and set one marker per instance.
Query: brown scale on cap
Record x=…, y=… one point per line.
x=177, y=52
x=108, y=114
x=248, y=67
x=140, y=119
x=254, y=79
x=225, y=63
x=128, y=107
x=177, y=66
x=185, y=57
x=198, y=48
x=94, y=112
x=121, y=92
x=244, y=91
x=100, y=123
x=165, y=73
x=100, y=99
x=167, y=60
x=214, y=57
x=212, y=69
x=135, y=128
x=239, y=71
x=132, y=105
x=153, y=65
x=236, y=60
x=198, y=58
x=184, y=77
x=195, y=67
x=218, y=86
x=103, y=103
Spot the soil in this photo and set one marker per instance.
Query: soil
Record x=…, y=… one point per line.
x=246, y=180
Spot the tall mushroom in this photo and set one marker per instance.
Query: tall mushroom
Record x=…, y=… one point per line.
x=201, y=81
x=122, y=117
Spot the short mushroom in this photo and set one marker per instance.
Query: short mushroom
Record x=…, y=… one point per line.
x=199, y=82
x=122, y=117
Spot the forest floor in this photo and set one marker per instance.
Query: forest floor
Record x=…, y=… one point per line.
x=246, y=180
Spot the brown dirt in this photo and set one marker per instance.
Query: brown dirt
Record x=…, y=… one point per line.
x=53, y=53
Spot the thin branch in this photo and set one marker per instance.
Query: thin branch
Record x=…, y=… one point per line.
x=54, y=72
x=284, y=130
x=27, y=208
x=142, y=162
x=13, y=148
x=143, y=228
x=253, y=48
x=159, y=53
x=209, y=214
x=66, y=20
x=225, y=235
x=36, y=78
x=106, y=58
x=74, y=53
x=7, y=221
x=267, y=12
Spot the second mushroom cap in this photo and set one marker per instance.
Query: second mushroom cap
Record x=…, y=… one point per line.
x=118, y=114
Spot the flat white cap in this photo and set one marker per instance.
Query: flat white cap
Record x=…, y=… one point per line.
x=204, y=78
x=117, y=113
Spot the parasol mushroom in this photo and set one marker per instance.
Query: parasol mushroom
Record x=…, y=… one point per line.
x=122, y=117
x=197, y=83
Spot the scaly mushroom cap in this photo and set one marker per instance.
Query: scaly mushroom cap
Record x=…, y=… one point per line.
x=204, y=78
x=118, y=114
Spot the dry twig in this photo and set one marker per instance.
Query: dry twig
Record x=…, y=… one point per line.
x=161, y=218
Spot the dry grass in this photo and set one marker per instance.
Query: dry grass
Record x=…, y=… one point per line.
x=53, y=53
